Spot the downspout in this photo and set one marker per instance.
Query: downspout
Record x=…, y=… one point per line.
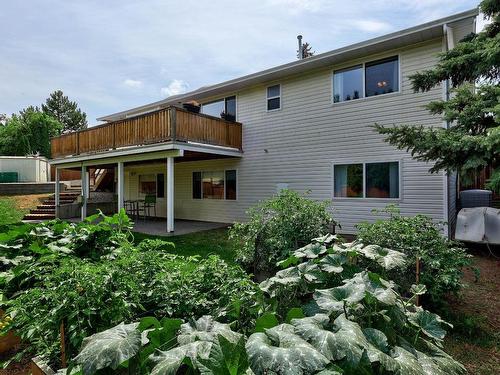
x=448, y=43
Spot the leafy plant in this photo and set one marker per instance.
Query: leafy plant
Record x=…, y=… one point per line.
x=90, y=277
x=276, y=227
x=359, y=324
x=441, y=260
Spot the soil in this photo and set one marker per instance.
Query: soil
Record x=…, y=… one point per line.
x=27, y=202
x=478, y=349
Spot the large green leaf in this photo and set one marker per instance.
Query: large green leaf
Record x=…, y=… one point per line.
x=430, y=324
x=169, y=362
x=387, y=258
x=225, y=358
x=311, y=251
x=266, y=321
x=334, y=299
x=333, y=263
x=205, y=329
x=109, y=348
x=279, y=350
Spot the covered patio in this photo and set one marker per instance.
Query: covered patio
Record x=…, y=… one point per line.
x=158, y=227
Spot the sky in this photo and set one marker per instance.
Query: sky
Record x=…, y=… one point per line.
x=111, y=55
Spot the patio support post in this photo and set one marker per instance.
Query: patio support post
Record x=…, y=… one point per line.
x=120, y=183
x=170, y=194
x=85, y=188
x=57, y=192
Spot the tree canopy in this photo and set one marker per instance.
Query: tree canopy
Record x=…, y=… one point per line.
x=65, y=111
x=472, y=141
x=28, y=133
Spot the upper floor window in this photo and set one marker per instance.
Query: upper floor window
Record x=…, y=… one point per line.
x=273, y=97
x=368, y=79
x=224, y=108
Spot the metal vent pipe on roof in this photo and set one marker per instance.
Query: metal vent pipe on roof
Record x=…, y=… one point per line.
x=300, y=54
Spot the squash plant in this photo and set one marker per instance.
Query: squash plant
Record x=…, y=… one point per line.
x=357, y=323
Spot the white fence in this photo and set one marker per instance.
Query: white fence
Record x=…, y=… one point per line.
x=28, y=168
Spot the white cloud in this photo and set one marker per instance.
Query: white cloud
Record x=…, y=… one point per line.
x=295, y=6
x=175, y=87
x=135, y=84
x=371, y=26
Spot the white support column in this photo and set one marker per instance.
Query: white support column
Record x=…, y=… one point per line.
x=85, y=188
x=57, y=193
x=120, y=185
x=170, y=194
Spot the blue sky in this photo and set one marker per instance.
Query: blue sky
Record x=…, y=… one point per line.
x=113, y=55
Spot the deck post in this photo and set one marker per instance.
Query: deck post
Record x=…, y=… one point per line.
x=120, y=183
x=170, y=194
x=57, y=192
x=85, y=188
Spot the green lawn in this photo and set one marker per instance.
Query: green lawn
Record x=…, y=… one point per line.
x=204, y=243
x=9, y=211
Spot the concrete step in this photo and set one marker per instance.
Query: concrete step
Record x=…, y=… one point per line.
x=43, y=211
x=31, y=216
x=46, y=206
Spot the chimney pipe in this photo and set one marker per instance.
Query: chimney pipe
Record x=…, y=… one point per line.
x=300, y=54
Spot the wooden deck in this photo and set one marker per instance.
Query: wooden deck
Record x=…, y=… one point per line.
x=169, y=124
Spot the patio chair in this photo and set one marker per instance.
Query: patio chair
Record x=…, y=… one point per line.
x=130, y=208
x=148, y=204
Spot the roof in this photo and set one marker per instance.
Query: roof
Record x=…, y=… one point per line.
x=412, y=35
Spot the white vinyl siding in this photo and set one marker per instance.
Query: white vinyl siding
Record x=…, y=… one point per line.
x=299, y=143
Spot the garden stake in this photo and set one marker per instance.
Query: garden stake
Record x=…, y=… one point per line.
x=417, y=280
x=63, y=345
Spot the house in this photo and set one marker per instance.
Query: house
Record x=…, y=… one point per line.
x=305, y=125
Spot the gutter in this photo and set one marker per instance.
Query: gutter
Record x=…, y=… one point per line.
x=293, y=67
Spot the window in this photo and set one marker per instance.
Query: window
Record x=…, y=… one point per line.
x=273, y=97
x=231, y=184
x=147, y=184
x=348, y=180
x=379, y=77
x=214, y=185
x=196, y=185
x=160, y=185
x=224, y=108
x=366, y=180
x=382, y=180
x=348, y=84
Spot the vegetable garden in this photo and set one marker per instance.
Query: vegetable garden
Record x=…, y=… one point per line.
x=327, y=307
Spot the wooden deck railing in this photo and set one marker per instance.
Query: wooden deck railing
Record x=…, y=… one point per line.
x=161, y=126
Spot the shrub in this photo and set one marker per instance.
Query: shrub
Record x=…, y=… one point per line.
x=360, y=324
x=91, y=277
x=276, y=227
x=441, y=260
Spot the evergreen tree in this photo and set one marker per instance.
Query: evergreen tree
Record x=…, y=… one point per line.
x=472, y=139
x=65, y=111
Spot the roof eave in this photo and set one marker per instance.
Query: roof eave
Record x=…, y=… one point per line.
x=396, y=39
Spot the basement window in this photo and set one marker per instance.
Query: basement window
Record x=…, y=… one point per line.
x=366, y=180
x=215, y=185
x=273, y=97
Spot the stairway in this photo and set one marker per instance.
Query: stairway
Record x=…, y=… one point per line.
x=47, y=210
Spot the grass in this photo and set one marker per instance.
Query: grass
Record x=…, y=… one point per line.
x=204, y=243
x=13, y=208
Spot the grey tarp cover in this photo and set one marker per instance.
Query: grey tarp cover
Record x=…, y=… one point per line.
x=479, y=224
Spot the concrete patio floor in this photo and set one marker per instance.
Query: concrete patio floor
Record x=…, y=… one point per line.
x=159, y=227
